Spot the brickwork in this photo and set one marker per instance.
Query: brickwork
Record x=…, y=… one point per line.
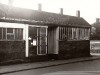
x=70, y=49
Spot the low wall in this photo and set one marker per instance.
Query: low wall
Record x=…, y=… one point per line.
x=10, y=50
x=70, y=49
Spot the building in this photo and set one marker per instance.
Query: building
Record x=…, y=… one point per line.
x=36, y=34
x=95, y=30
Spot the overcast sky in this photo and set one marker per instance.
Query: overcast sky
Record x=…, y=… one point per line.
x=89, y=9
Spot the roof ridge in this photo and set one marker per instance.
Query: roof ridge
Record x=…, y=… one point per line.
x=38, y=10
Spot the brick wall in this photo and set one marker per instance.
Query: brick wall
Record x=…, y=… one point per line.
x=10, y=50
x=70, y=49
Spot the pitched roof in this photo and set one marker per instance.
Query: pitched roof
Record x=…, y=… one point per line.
x=96, y=25
x=40, y=17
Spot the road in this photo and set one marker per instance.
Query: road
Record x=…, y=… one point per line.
x=91, y=66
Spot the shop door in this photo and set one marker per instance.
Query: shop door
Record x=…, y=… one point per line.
x=37, y=41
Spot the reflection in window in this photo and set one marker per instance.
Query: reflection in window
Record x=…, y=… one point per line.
x=11, y=34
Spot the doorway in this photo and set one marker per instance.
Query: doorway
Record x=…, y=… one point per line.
x=37, y=40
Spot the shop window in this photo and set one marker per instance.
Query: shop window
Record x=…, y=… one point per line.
x=73, y=33
x=62, y=33
x=42, y=45
x=4, y=33
x=11, y=34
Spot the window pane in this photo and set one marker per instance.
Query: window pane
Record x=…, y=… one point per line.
x=4, y=33
x=42, y=31
x=80, y=33
x=0, y=33
x=74, y=33
x=42, y=40
x=66, y=33
x=42, y=49
x=18, y=34
x=64, y=36
x=10, y=34
x=21, y=37
x=77, y=34
x=59, y=33
x=9, y=30
x=33, y=32
x=70, y=33
x=10, y=37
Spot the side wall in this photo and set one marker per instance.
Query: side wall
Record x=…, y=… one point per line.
x=70, y=49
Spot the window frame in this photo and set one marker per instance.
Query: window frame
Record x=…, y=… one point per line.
x=13, y=33
x=74, y=33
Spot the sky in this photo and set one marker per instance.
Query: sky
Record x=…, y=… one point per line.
x=89, y=9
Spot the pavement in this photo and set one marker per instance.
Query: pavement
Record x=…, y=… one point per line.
x=74, y=73
x=37, y=65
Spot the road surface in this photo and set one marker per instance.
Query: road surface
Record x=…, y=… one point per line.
x=92, y=67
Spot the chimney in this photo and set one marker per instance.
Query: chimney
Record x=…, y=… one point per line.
x=61, y=11
x=10, y=2
x=39, y=7
x=78, y=13
x=97, y=20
